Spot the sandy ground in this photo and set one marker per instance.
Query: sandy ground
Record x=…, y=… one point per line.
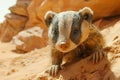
x=32, y=65
x=14, y=66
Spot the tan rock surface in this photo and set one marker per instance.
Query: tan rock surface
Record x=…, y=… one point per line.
x=20, y=8
x=29, y=39
x=38, y=8
x=15, y=21
x=11, y=26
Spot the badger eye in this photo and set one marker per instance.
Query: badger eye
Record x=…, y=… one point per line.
x=75, y=31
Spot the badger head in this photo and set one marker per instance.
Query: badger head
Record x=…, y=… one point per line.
x=68, y=29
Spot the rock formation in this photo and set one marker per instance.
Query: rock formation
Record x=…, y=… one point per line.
x=15, y=21
x=29, y=39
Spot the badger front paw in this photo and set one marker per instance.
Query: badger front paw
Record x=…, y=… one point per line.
x=54, y=70
x=97, y=56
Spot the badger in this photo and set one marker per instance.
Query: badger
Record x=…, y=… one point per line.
x=72, y=35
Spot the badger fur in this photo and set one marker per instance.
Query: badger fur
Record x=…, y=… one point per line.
x=72, y=33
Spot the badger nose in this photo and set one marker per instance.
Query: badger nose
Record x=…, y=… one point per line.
x=63, y=45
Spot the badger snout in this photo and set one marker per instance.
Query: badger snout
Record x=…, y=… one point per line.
x=64, y=45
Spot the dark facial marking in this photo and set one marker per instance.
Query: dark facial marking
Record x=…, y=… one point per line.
x=55, y=31
x=75, y=29
x=48, y=21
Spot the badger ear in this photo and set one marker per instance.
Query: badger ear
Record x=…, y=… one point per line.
x=87, y=14
x=48, y=17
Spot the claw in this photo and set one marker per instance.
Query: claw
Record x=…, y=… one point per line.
x=97, y=56
x=54, y=70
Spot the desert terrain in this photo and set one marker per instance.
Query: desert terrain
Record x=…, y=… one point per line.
x=24, y=48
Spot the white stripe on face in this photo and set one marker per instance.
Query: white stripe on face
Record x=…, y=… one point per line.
x=65, y=23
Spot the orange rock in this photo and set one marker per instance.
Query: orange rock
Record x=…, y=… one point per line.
x=16, y=21
x=34, y=20
x=6, y=32
x=20, y=10
x=38, y=8
x=21, y=7
x=29, y=39
x=11, y=26
x=106, y=22
x=23, y=2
